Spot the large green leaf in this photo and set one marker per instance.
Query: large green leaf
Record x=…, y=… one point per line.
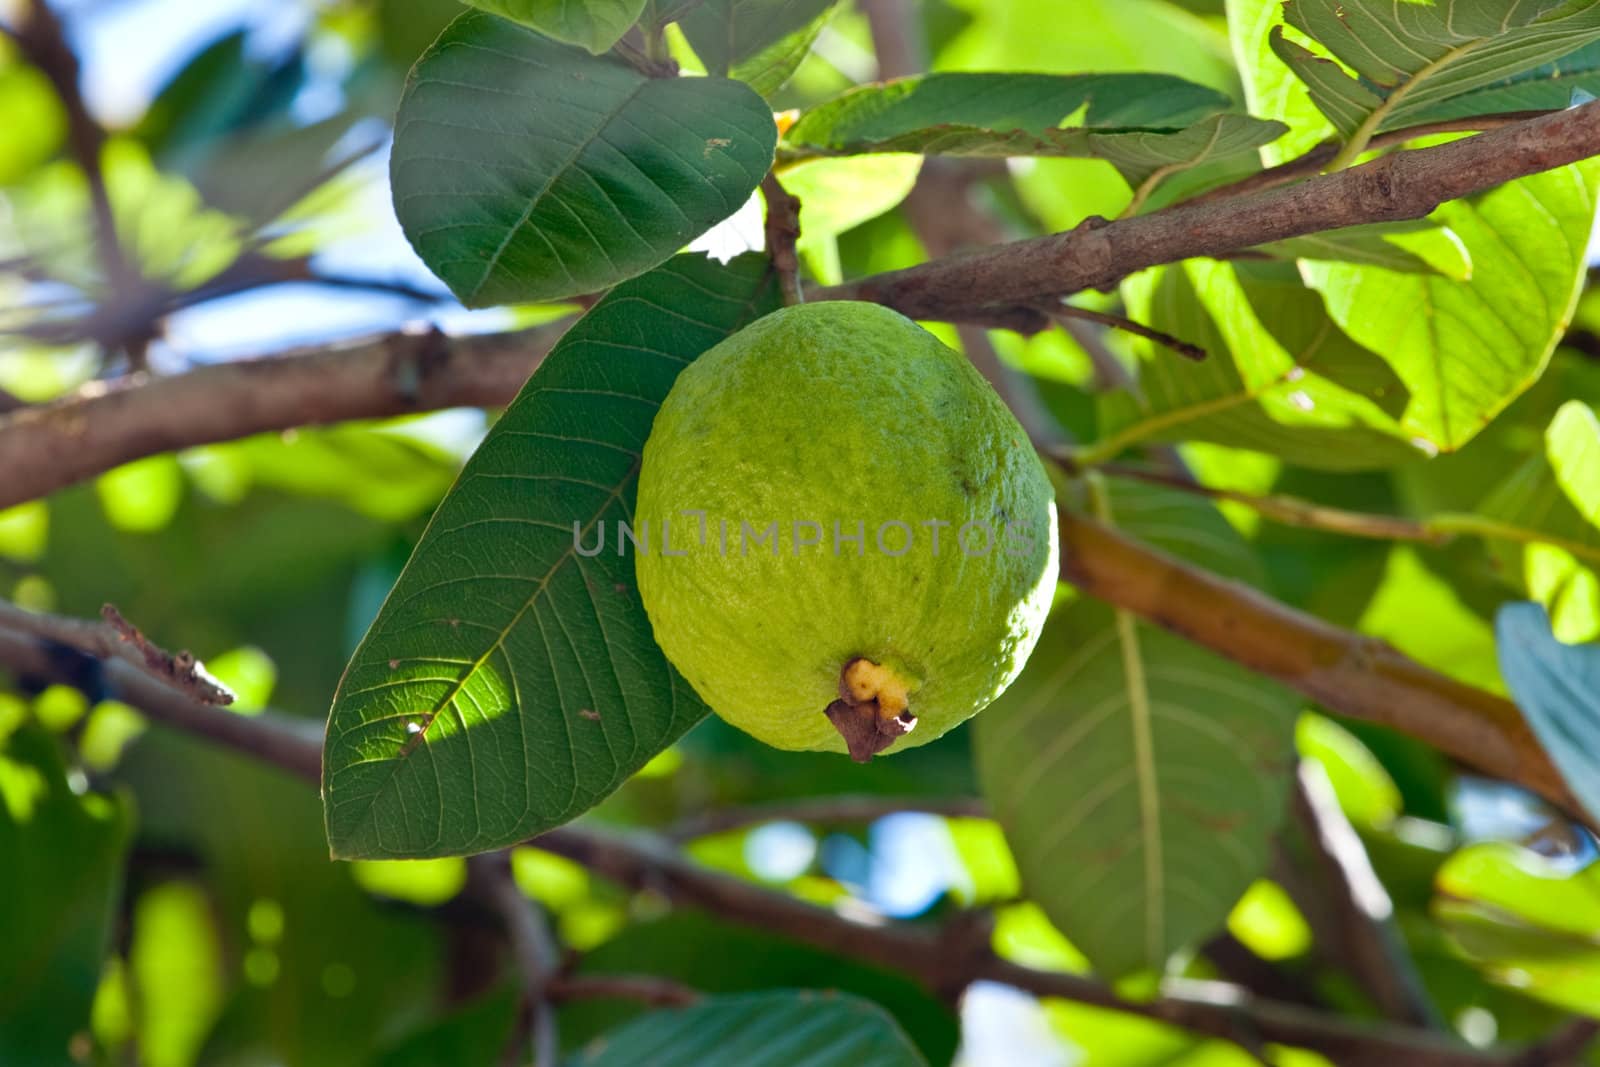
x=1141, y=123
x=1464, y=349
x=1279, y=377
x=592, y=24
x=1548, y=88
x=62, y=857
x=1413, y=59
x=1138, y=777
x=509, y=683
x=1557, y=686
x=513, y=185
x=1544, y=527
x=777, y=1029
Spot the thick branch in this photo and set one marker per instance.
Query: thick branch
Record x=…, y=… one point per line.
x=48, y=446
x=1404, y=185
x=1343, y=671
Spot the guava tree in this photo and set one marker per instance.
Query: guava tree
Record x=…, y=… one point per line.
x=1288, y=296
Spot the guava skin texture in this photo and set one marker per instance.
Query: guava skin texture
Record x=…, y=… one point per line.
x=848, y=413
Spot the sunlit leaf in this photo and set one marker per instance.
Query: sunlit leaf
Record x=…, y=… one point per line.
x=1466, y=349
x=513, y=189
x=1411, y=58
x=509, y=683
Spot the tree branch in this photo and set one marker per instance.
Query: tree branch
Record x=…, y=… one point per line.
x=1357, y=676
x=45, y=447
x=1098, y=254
x=533, y=948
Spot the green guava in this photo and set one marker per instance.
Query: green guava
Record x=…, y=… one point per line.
x=843, y=539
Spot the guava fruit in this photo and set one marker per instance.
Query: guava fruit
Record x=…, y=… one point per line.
x=843, y=538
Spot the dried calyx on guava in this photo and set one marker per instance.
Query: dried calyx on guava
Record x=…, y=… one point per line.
x=844, y=540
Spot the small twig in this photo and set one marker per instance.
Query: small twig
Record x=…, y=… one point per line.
x=533, y=949
x=783, y=230
x=120, y=639
x=644, y=988
x=1288, y=510
x=825, y=811
x=1118, y=322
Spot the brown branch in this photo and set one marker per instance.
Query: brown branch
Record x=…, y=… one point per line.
x=48, y=446
x=782, y=231
x=946, y=959
x=291, y=744
x=533, y=950
x=42, y=43
x=1342, y=898
x=1345, y=672
x=1564, y=1048
x=117, y=638
x=825, y=811
x=1401, y=186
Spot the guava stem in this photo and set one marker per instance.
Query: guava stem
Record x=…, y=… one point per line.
x=871, y=712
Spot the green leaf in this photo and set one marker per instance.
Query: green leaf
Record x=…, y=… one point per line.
x=771, y=68
x=1141, y=123
x=1412, y=60
x=837, y=195
x=1545, y=512
x=1527, y=922
x=728, y=33
x=1464, y=349
x=1551, y=87
x=1279, y=377
x=1368, y=246
x=474, y=1034
x=775, y=1029
x=62, y=855
x=1270, y=88
x=1557, y=686
x=1138, y=777
x=509, y=683
x=592, y=24
x=513, y=186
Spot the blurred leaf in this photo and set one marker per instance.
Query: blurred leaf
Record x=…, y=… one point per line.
x=728, y=33
x=839, y=194
x=1466, y=349
x=760, y=1030
x=536, y=198
x=770, y=69
x=498, y=638
x=1525, y=921
x=1557, y=687
x=1269, y=924
x=1366, y=792
x=249, y=673
x=176, y=964
x=1411, y=58
x=1279, y=377
x=718, y=958
x=62, y=856
x=595, y=25
x=1549, y=503
x=142, y=496
x=468, y=1037
x=1417, y=610
x=1190, y=758
x=111, y=727
x=24, y=531
x=425, y=883
x=35, y=122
